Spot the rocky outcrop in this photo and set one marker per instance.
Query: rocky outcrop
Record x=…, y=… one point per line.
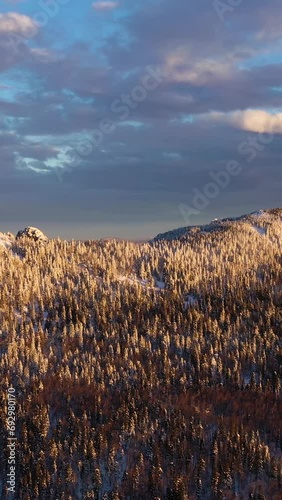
x=33, y=233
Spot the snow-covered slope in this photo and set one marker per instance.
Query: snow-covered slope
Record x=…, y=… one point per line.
x=6, y=240
x=257, y=221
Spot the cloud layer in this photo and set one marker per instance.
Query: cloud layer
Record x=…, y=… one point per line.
x=130, y=106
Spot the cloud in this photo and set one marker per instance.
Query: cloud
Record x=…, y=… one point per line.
x=182, y=67
x=223, y=81
x=13, y=22
x=42, y=55
x=103, y=6
x=251, y=120
x=16, y=30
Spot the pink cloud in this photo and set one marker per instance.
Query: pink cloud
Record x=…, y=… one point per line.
x=106, y=5
x=251, y=120
x=12, y=22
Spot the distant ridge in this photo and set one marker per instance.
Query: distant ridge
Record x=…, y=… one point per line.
x=258, y=220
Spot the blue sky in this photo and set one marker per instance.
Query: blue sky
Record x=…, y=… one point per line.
x=113, y=114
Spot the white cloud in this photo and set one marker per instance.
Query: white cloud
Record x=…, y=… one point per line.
x=252, y=120
x=259, y=121
x=12, y=22
x=106, y=5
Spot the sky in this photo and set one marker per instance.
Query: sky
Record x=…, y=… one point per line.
x=126, y=119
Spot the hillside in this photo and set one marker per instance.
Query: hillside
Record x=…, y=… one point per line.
x=259, y=221
x=148, y=371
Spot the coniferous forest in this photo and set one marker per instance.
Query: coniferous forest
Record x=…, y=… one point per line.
x=145, y=371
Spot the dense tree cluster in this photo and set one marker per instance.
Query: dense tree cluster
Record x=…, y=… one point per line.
x=144, y=371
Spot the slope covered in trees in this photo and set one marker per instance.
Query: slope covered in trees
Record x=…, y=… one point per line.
x=148, y=371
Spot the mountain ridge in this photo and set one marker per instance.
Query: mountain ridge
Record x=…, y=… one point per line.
x=258, y=220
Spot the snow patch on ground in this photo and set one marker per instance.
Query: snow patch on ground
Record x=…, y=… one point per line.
x=18, y=315
x=260, y=230
x=190, y=301
x=5, y=240
x=259, y=213
x=160, y=284
x=133, y=280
